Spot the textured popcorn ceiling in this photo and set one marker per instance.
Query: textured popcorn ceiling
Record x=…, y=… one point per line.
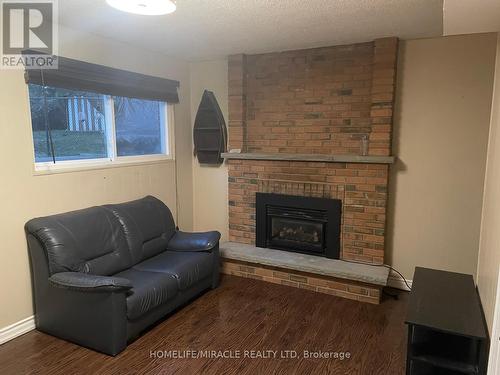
x=204, y=29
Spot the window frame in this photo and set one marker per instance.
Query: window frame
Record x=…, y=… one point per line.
x=112, y=160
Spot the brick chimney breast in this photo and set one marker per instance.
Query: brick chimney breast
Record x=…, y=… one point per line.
x=315, y=101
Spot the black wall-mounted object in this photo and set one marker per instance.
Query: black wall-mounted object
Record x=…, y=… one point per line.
x=210, y=132
x=299, y=224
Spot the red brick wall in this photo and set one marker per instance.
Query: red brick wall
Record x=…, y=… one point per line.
x=323, y=284
x=316, y=101
x=321, y=100
x=361, y=187
x=237, y=101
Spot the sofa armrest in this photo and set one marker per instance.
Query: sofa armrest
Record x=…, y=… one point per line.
x=184, y=241
x=89, y=283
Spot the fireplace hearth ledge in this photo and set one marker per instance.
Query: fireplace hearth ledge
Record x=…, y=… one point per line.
x=369, y=159
x=375, y=275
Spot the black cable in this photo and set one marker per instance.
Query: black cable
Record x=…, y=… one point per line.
x=46, y=119
x=381, y=265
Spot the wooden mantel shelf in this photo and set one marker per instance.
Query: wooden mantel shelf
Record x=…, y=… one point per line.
x=311, y=157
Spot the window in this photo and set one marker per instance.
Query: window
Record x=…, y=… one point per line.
x=139, y=127
x=77, y=128
x=85, y=114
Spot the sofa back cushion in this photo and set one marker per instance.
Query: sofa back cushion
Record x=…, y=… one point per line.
x=89, y=240
x=148, y=225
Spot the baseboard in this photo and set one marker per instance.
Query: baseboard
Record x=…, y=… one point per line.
x=398, y=283
x=17, y=329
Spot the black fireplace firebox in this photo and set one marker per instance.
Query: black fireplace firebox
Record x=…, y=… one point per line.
x=300, y=224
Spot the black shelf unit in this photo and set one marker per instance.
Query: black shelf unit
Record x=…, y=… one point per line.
x=209, y=132
x=446, y=329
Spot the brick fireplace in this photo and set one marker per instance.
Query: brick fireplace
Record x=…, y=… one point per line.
x=314, y=123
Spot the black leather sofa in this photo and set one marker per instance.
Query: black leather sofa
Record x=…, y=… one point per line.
x=102, y=275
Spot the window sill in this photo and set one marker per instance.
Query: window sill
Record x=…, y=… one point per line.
x=83, y=166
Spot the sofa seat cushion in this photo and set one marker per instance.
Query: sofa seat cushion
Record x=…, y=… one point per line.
x=187, y=267
x=149, y=290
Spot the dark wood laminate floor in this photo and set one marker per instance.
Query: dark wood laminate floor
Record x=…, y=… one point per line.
x=241, y=315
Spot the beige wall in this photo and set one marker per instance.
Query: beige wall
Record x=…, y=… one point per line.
x=24, y=196
x=467, y=17
x=441, y=134
x=489, y=253
x=210, y=182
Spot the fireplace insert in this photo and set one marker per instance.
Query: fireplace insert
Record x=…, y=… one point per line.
x=300, y=224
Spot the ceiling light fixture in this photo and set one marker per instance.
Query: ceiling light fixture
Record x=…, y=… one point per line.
x=144, y=7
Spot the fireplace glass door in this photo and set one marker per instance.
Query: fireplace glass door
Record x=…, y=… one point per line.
x=296, y=229
x=307, y=225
